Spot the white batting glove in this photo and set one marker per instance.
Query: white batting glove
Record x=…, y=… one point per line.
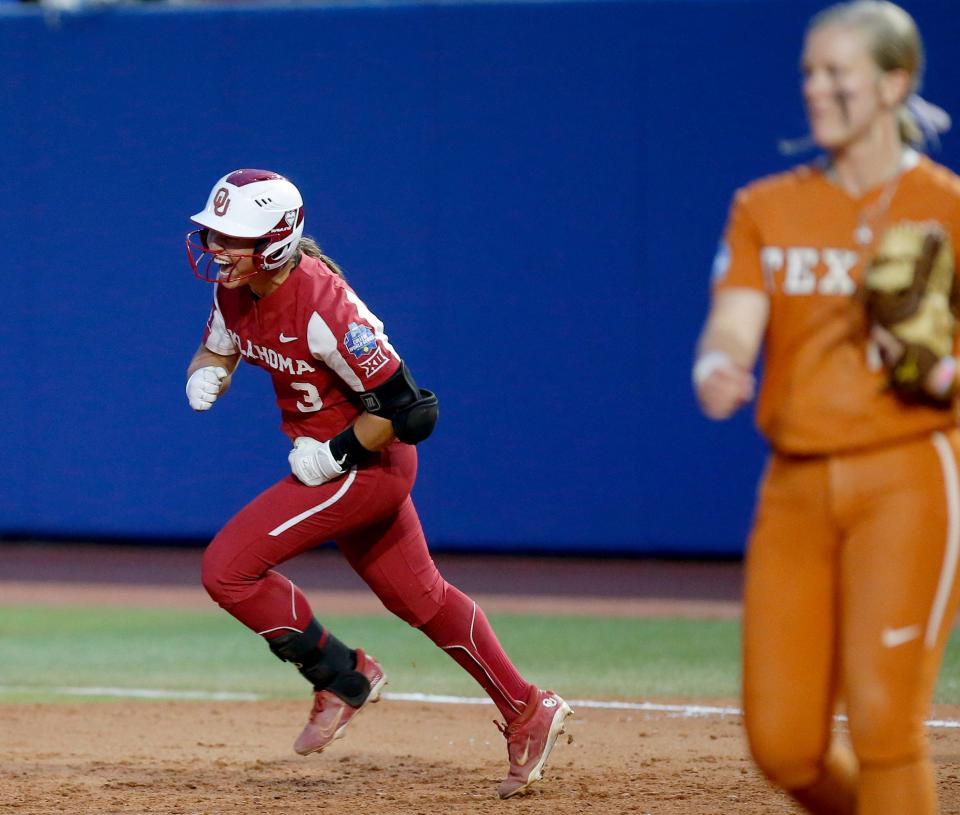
x=312, y=462
x=203, y=386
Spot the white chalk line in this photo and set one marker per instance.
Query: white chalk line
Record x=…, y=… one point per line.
x=684, y=711
x=136, y=693
x=681, y=710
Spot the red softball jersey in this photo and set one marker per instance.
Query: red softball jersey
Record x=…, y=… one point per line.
x=318, y=341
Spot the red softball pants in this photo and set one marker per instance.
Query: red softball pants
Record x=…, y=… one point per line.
x=370, y=515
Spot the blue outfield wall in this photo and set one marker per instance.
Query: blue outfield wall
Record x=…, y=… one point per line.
x=529, y=195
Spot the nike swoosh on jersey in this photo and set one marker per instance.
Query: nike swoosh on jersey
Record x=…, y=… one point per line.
x=892, y=637
x=284, y=338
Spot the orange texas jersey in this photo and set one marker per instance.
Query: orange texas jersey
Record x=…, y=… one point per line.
x=793, y=236
x=318, y=341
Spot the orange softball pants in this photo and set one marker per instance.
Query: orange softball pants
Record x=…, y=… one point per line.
x=851, y=590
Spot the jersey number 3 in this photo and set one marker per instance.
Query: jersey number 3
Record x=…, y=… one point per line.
x=311, y=400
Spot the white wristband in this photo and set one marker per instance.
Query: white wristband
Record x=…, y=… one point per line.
x=708, y=363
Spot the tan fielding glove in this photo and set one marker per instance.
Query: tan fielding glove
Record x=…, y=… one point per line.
x=912, y=300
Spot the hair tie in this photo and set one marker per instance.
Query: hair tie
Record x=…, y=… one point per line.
x=796, y=146
x=931, y=119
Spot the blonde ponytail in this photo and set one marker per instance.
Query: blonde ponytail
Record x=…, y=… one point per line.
x=308, y=246
x=895, y=44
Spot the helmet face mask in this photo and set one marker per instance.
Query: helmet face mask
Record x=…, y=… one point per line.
x=218, y=265
x=247, y=204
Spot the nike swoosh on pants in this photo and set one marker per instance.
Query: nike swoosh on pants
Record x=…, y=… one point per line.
x=892, y=637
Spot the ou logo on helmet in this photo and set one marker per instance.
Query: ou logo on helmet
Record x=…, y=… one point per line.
x=221, y=202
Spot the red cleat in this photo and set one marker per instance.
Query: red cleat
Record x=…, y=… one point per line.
x=530, y=738
x=331, y=715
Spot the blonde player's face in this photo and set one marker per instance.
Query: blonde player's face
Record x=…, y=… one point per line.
x=235, y=262
x=841, y=86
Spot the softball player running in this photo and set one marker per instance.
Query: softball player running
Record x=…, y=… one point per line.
x=354, y=414
x=851, y=572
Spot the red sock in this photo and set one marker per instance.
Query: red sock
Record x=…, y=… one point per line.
x=463, y=631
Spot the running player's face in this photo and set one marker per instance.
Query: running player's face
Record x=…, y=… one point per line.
x=235, y=261
x=841, y=86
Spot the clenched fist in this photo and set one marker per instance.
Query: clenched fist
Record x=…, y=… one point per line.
x=722, y=386
x=204, y=386
x=312, y=462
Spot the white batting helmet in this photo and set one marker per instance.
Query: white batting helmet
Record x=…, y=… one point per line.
x=251, y=204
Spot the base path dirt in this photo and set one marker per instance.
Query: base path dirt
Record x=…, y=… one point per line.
x=397, y=759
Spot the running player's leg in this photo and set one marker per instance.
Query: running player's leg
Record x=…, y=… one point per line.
x=789, y=641
x=392, y=557
x=899, y=579
x=285, y=520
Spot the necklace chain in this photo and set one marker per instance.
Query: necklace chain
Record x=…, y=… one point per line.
x=871, y=215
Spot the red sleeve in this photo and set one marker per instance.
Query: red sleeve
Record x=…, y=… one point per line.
x=349, y=339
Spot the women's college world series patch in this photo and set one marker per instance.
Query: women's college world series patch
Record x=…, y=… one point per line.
x=359, y=340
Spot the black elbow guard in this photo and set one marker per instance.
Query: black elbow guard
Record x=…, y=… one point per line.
x=416, y=421
x=412, y=411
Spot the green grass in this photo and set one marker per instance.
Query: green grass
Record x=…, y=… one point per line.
x=42, y=649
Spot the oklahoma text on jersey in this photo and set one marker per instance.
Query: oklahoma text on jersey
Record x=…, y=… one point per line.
x=274, y=359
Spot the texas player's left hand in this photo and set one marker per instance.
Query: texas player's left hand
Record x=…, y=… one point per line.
x=937, y=376
x=312, y=462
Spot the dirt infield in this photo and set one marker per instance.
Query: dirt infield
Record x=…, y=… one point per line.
x=399, y=758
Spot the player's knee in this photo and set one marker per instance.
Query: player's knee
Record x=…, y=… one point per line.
x=790, y=760
x=788, y=770
x=216, y=579
x=883, y=731
x=210, y=577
